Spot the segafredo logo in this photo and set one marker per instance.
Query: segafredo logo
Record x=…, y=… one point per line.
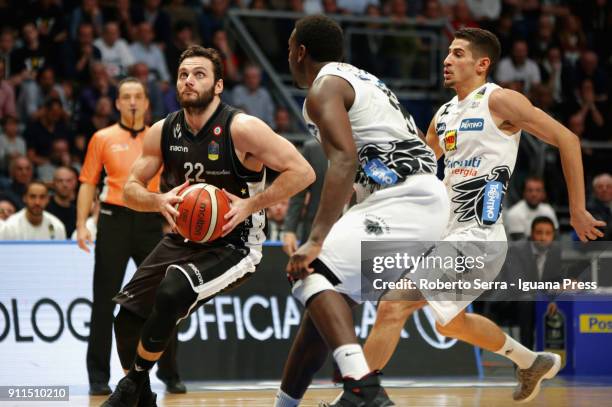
x=471, y=125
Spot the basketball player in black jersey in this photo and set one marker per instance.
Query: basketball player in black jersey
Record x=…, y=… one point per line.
x=207, y=141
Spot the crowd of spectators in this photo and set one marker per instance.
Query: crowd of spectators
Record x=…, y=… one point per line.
x=60, y=62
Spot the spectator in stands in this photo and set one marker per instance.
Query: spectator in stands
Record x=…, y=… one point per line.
x=30, y=58
x=231, y=74
x=33, y=222
x=50, y=22
x=126, y=16
x=116, y=54
x=431, y=11
x=102, y=117
x=21, y=173
x=213, y=19
x=488, y=10
x=585, y=105
x=63, y=201
x=40, y=133
x=303, y=206
x=518, y=68
x=462, y=16
x=79, y=55
x=88, y=12
x=12, y=145
x=588, y=68
x=282, y=121
x=178, y=11
x=34, y=94
x=146, y=51
x=7, y=94
x=357, y=6
x=519, y=217
x=544, y=38
x=331, y=7
x=156, y=96
x=59, y=156
x=542, y=97
x=100, y=86
x=183, y=38
x=600, y=203
x=537, y=259
x=572, y=38
x=276, y=217
x=7, y=208
x=252, y=97
x=7, y=48
x=557, y=74
x=160, y=21
x=504, y=31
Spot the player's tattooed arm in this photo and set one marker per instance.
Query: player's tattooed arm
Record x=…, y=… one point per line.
x=513, y=107
x=135, y=193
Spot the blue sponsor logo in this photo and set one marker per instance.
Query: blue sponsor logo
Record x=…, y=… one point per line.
x=471, y=125
x=379, y=172
x=440, y=128
x=492, y=201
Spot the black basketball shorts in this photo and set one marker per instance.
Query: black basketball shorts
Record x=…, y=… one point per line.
x=210, y=268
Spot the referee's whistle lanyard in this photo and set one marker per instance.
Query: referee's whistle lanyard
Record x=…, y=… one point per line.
x=133, y=132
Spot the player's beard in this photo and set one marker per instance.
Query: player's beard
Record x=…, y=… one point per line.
x=200, y=104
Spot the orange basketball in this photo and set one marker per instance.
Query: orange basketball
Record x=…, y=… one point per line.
x=201, y=213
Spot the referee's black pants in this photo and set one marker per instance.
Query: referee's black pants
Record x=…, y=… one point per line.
x=122, y=233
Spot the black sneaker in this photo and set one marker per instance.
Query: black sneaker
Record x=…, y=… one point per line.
x=147, y=397
x=365, y=392
x=99, y=389
x=125, y=394
x=173, y=385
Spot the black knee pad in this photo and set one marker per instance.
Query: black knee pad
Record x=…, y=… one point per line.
x=173, y=299
x=127, y=327
x=175, y=295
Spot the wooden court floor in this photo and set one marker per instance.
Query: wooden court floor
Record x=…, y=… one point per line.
x=490, y=396
x=414, y=397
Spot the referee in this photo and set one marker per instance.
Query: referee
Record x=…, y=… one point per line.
x=122, y=232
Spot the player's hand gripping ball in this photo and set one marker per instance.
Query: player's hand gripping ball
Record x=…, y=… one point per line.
x=201, y=213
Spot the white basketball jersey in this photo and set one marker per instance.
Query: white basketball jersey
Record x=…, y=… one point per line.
x=479, y=159
x=388, y=145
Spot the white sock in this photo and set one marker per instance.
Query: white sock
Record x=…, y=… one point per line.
x=517, y=353
x=282, y=399
x=351, y=361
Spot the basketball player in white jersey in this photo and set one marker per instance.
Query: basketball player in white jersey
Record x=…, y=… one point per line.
x=375, y=146
x=478, y=133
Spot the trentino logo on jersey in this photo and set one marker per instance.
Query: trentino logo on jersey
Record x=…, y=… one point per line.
x=213, y=151
x=379, y=172
x=450, y=140
x=471, y=125
x=492, y=201
x=480, y=197
x=440, y=129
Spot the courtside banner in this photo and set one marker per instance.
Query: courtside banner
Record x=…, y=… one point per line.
x=465, y=271
x=45, y=306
